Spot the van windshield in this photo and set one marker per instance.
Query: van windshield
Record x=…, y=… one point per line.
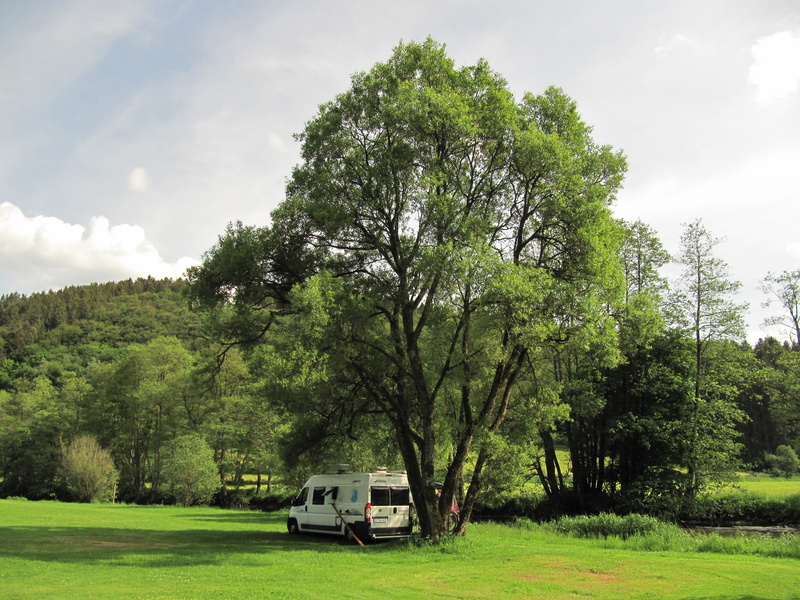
x=389, y=496
x=301, y=497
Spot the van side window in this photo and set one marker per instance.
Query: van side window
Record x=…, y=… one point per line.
x=319, y=495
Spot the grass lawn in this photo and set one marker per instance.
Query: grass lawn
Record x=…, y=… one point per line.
x=54, y=550
x=766, y=485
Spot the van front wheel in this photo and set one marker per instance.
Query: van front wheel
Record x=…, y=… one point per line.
x=291, y=525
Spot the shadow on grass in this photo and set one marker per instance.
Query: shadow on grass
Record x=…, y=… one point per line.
x=237, y=516
x=158, y=548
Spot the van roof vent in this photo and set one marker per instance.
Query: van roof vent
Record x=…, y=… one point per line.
x=334, y=469
x=380, y=470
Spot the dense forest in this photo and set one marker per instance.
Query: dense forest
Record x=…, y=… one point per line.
x=445, y=289
x=129, y=364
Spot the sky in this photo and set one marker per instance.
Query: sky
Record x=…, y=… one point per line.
x=132, y=132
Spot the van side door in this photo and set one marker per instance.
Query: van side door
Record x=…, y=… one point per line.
x=321, y=516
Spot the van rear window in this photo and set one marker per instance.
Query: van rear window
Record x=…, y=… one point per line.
x=389, y=496
x=400, y=496
x=380, y=496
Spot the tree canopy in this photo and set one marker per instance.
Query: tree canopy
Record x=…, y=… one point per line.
x=447, y=234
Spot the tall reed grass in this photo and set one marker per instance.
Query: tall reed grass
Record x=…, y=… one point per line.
x=642, y=532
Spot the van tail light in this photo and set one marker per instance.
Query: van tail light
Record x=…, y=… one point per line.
x=368, y=513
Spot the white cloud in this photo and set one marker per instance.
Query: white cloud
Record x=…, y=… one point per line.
x=667, y=46
x=776, y=68
x=276, y=143
x=139, y=180
x=35, y=249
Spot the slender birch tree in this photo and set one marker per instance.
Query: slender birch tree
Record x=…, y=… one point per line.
x=706, y=308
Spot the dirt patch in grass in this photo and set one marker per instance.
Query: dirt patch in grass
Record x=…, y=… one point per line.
x=559, y=570
x=599, y=575
x=125, y=545
x=590, y=575
x=125, y=542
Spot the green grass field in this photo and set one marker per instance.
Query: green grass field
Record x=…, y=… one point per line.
x=54, y=550
x=761, y=483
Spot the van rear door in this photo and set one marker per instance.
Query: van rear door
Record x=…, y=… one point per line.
x=390, y=509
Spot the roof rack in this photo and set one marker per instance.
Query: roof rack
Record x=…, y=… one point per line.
x=338, y=469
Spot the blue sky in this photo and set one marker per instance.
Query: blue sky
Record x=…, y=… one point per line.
x=132, y=132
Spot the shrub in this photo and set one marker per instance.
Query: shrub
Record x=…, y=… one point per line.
x=272, y=502
x=609, y=525
x=783, y=462
x=785, y=546
x=88, y=470
x=190, y=473
x=792, y=509
x=639, y=532
x=736, y=507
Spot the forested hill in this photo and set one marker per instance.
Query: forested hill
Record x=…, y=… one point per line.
x=119, y=361
x=81, y=319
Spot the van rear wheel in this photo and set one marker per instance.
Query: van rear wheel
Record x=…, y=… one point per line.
x=354, y=535
x=348, y=535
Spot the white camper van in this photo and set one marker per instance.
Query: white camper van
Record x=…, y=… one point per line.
x=341, y=502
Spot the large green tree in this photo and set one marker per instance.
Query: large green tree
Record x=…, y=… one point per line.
x=442, y=236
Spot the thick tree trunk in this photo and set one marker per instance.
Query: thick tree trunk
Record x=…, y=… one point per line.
x=552, y=479
x=422, y=486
